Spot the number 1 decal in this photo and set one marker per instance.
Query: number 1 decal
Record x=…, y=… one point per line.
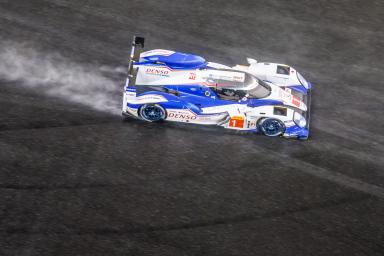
x=236, y=121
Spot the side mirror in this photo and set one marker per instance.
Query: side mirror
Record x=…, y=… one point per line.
x=251, y=61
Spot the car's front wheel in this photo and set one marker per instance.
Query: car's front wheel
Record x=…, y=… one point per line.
x=271, y=127
x=152, y=113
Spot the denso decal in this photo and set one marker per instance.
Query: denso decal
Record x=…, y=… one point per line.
x=157, y=71
x=182, y=115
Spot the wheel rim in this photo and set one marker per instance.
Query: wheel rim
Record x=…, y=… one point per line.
x=272, y=127
x=152, y=113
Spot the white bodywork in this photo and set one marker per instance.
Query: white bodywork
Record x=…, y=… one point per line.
x=232, y=116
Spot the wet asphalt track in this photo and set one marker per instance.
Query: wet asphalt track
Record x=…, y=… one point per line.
x=77, y=181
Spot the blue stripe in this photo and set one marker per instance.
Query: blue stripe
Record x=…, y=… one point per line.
x=301, y=133
x=298, y=88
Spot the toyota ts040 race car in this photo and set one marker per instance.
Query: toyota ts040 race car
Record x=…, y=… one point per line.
x=267, y=98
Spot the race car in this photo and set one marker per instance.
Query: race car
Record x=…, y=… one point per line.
x=268, y=98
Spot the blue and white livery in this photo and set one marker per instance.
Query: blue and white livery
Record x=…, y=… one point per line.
x=267, y=98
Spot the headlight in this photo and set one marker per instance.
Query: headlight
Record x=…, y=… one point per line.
x=299, y=120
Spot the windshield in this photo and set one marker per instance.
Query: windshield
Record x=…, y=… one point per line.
x=244, y=85
x=261, y=90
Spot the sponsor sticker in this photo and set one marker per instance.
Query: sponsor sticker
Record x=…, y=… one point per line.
x=192, y=76
x=226, y=75
x=238, y=78
x=182, y=115
x=236, y=122
x=285, y=95
x=157, y=71
x=252, y=122
x=296, y=101
x=130, y=94
x=147, y=99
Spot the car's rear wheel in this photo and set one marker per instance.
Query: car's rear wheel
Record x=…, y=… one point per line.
x=152, y=113
x=271, y=127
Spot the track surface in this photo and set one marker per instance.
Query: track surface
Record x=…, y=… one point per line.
x=77, y=181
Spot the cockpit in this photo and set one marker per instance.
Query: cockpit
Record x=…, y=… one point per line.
x=236, y=85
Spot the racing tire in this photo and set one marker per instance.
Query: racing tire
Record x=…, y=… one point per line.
x=152, y=113
x=271, y=127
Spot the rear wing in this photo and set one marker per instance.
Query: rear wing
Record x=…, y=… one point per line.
x=137, y=47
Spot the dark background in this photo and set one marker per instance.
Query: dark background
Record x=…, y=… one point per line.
x=77, y=181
